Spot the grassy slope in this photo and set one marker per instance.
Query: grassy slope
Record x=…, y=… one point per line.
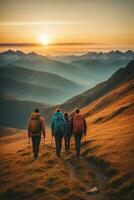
x=108, y=145
x=49, y=177
x=110, y=122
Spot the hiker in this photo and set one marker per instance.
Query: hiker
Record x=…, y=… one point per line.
x=58, y=127
x=36, y=127
x=68, y=132
x=79, y=129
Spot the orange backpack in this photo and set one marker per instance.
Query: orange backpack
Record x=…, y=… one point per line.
x=78, y=124
x=35, y=125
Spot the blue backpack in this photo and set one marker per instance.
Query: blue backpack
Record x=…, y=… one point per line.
x=59, y=124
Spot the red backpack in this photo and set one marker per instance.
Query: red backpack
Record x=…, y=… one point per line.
x=78, y=124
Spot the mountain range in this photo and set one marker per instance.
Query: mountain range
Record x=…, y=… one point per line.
x=86, y=70
x=123, y=75
x=111, y=55
x=106, y=161
x=120, y=77
x=41, y=63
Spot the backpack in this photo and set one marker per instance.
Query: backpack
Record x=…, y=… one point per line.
x=59, y=124
x=35, y=125
x=78, y=124
x=68, y=128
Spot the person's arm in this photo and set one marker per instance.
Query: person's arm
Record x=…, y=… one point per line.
x=85, y=125
x=52, y=126
x=65, y=127
x=71, y=123
x=43, y=127
x=28, y=128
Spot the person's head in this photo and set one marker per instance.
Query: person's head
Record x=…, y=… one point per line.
x=58, y=110
x=77, y=111
x=36, y=110
x=66, y=116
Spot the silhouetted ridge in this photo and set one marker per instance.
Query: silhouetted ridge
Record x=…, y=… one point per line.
x=123, y=74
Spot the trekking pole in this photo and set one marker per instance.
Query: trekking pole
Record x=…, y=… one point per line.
x=29, y=148
x=83, y=138
x=44, y=143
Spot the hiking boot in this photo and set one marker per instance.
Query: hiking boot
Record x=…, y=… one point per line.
x=58, y=155
x=36, y=158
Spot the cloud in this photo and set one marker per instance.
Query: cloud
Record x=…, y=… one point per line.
x=41, y=23
x=52, y=44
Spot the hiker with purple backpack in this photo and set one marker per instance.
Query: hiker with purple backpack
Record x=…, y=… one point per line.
x=68, y=132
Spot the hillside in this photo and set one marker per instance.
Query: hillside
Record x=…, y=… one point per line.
x=42, y=63
x=88, y=69
x=109, y=112
x=53, y=178
x=121, y=76
x=41, y=78
x=31, y=92
x=101, y=69
x=99, y=65
x=113, y=113
x=111, y=130
x=15, y=113
x=106, y=160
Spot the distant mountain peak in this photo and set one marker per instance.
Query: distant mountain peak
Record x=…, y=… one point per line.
x=18, y=52
x=9, y=52
x=32, y=53
x=130, y=52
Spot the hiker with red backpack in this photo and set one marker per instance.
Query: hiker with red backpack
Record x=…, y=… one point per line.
x=68, y=132
x=36, y=127
x=79, y=129
x=58, y=127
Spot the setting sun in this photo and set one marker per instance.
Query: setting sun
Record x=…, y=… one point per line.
x=44, y=39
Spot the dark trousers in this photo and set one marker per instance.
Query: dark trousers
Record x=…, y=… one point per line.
x=36, y=142
x=58, y=143
x=67, y=143
x=77, y=139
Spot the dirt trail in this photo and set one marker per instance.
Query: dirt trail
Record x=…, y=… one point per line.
x=48, y=177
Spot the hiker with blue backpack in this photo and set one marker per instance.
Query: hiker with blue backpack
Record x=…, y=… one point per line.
x=58, y=128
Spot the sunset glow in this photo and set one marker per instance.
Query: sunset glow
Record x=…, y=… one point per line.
x=44, y=39
x=104, y=25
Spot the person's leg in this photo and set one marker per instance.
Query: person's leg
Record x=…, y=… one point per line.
x=66, y=143
x=57, y=144
x=77, y=138
x=60, y=143
x=79, y=144
x=33, y=144
x=37, y=143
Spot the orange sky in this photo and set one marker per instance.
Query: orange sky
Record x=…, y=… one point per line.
x=104, y=24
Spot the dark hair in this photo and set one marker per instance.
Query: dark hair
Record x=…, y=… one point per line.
x=77, y=110
x=36, y=110
x=66, y=115
x=58, y=109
